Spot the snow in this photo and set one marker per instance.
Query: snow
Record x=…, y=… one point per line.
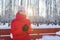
x=47, y=37
x=4, y=26
x=45, y=26
x=58, y=33
x=33, y=26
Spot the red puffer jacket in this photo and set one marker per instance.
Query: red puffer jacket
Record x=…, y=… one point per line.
x=16, y=28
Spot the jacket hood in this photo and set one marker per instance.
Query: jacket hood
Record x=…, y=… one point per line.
x=20, y=16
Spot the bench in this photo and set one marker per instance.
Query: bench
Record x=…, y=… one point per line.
x=36, y=33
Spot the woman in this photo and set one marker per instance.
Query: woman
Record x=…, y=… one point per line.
x=21, y=26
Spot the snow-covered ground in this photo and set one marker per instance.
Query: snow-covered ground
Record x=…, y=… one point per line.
x=33, y=26
x=4, y=26
x=45, y=26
